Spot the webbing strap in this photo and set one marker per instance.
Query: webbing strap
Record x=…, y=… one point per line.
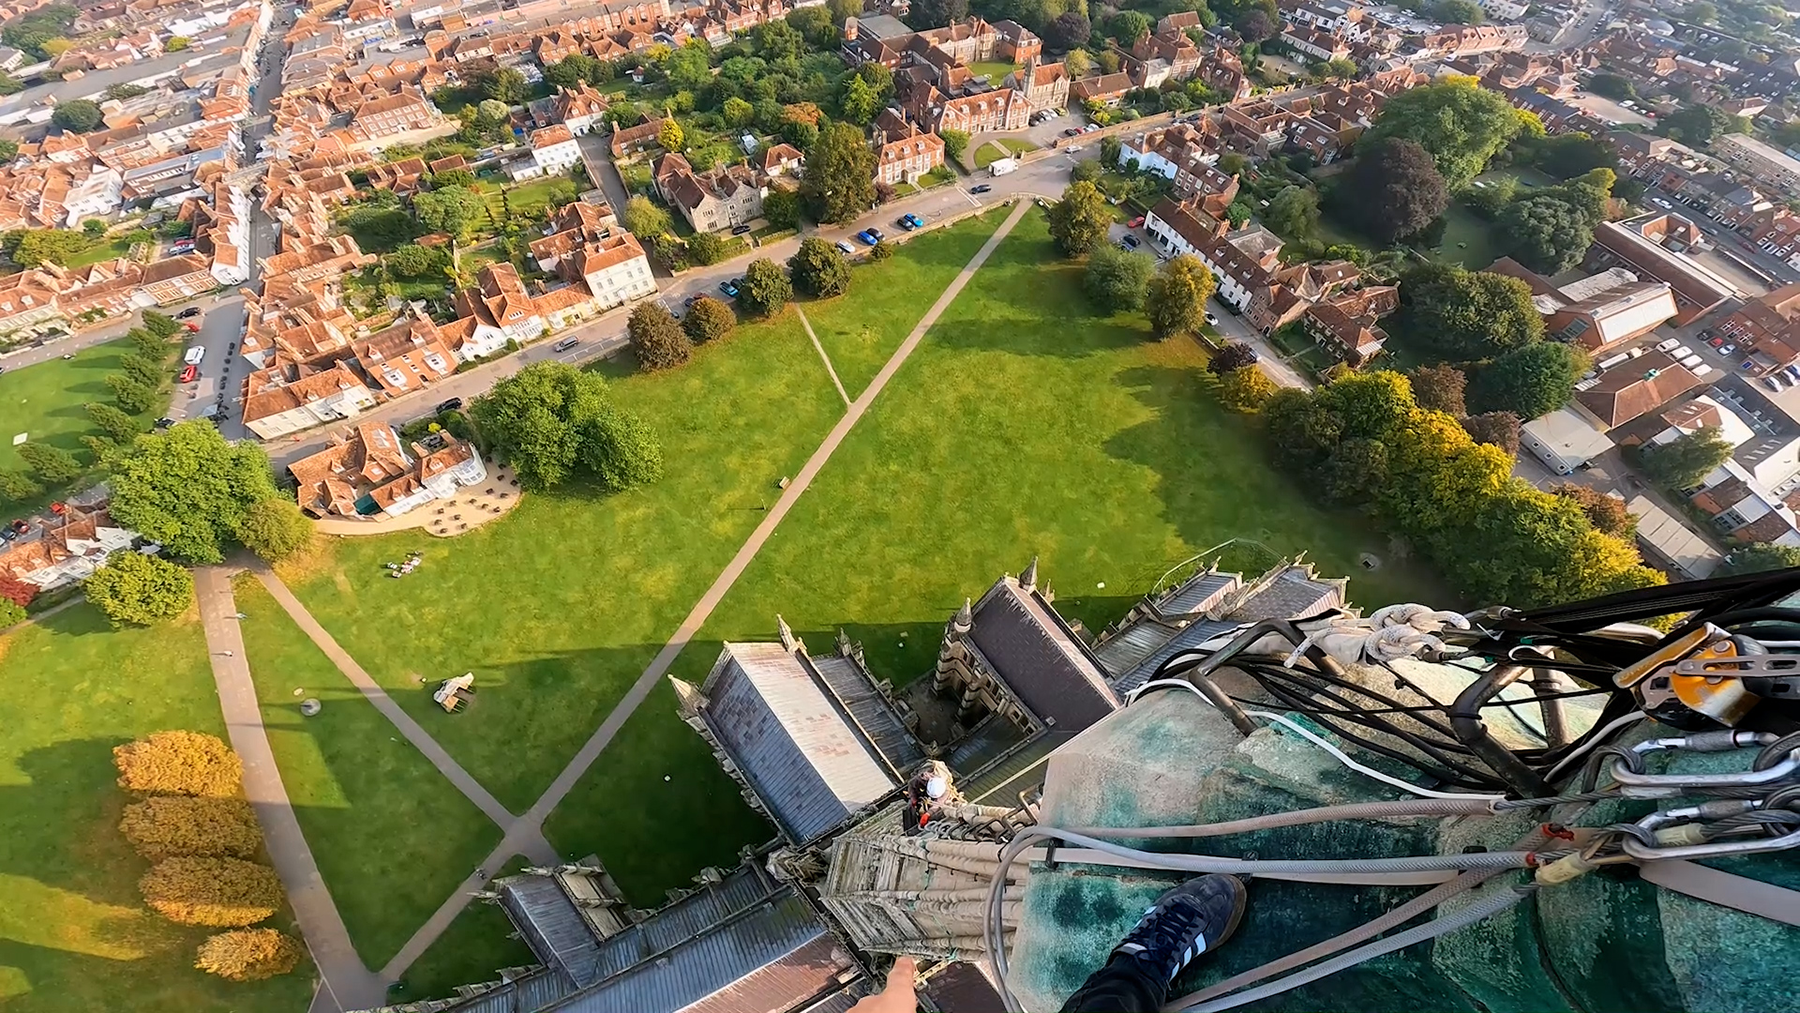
x=1750, y=896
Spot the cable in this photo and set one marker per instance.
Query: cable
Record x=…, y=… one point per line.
x=1593, y=738
x=1341, y=756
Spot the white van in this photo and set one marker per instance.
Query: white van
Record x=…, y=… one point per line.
x=193, y=355
x=1668, y=344
x=1691, y=361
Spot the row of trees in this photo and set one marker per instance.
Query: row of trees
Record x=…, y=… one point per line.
x=1174, y=297
x=192, y=823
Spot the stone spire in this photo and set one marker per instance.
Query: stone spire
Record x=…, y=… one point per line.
x=787, y=633
x=689, y=701
x=965, y=618
x=1028, y=579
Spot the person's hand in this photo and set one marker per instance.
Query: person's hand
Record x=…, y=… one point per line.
x=898, y=996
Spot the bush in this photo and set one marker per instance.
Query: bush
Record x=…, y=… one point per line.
x=766, y=288
x=179, y=763
x=708, y=320
x=705, y=248
x=1231, y=357
x=139, y=589
x=167, y=826
x=226, y=892
x=17, y=487
x=11, y=613
x=51, y=465
x=881, y=250
x=819, y=269
x=248, y=954
x=19, y=592
x=275, y=529
x=1245, y=390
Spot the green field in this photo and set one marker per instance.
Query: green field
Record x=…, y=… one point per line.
x=996, y=70
x=471, y=950
x=74, y=934
x=392, y=837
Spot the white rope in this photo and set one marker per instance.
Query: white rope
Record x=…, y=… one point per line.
x=1389, y=634
x=1294, y=727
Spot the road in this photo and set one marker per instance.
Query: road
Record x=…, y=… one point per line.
x=1726, y=238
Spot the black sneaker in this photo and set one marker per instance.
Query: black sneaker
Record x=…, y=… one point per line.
x=1187, y=921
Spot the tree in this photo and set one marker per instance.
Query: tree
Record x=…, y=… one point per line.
x=93, y=228
x=133, y=397
x=77, y=116
x=55, y=246
x=225, y=892
x=1067, y=32
x=1698, y=125
x=1176, y=297
x=1532, y=380
x=819, y=269
x=9, y=149
x=179, y=763
x=139, y=589
x=147, y=344
x=955, y=142
x=176, y=43
x=1459, y=123
x=656, y=338
x=1759, y=558
x=781, y=208
x=1077, y=62
x=189, y=489
x=248, y=954
x=1232, y=355
x=1440, y=388
x=1685, y=461
x=51, y=465
x=275, y=529
x=493, y=113
x=572, y=70
x=453, y=211
x=858, y=102
x=1086, y=171
x=1566, y=156
x=1701, y=12
x=839, y=183
x=1457, y=12
x=670, y=135
x=778, y=39
x=1293, y=212
x=1128, y=27
x=936, y=13
x=1498, y=429
x=1255, y=25
x=144, y=370
x=1245, y=390
x=165, y=826
x=1605, y=512
x=1079, y=221
x=882, y=250
x=1546, y=233
x=843, y=10
x=551, y=421
x=1392, y=190
x=1110, y=149
x=737, y=112
x=506, y=85
x=15, y=591
x=642, y=218
x=708, y=320
x=1462, y=314
x=17, y=487
x=413, y=261
x=1116, y=279
x=1612, y=86
x=705, y=248
x=766, y=288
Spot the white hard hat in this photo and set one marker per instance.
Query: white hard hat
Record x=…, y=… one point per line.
x=935, y=787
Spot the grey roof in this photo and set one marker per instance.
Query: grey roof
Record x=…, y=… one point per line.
x=871, y=711
x=525, y=994
x=774, y=956
x=1293, y=594
x=1019, y=770
x=1192, y=635
x=1040, y=659
x=1198, y=592
x=799, y=749
x=551, y=925
x=989, y=740
x=1125, y=648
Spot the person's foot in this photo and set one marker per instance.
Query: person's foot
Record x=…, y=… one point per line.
x=1185, y=922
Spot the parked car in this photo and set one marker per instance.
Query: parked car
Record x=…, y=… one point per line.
x=19, y=526
x=450, y=404
x=189, y=373
x=873, y=231
x=192, y=328
x=1135, y=223
x=1668, y=344
x=1130, y=241
x=729, y=289
x=867, y=237
x=1090, y=128
x=905, y=223
x=164, y=422
x=188, y=314
x=738, y=230
x=910, y=220
x=1717, y=342
x=565, y=344
x=1694, y=360
x=1210, y=319
x=1072, y=132
x=8, y=534
x=1073, y=148
x=980, y=188
x=1769, y=382
x=844, y=245
x=1728, y=350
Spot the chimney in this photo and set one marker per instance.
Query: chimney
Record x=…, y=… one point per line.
x=849, y=29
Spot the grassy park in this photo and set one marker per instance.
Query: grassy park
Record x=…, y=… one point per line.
x=74, y=934
x=45, y=401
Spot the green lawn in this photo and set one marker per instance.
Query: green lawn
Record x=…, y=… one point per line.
x=860, y=330
x=471, y=950
x=1001, y=147
x=560, y=607
x=1043, y=429
x=528, y=198
x=74, y=934
x=1469, y=239
x=996, y=70
x=112, y=249
x=392, y=837
x=45, y=401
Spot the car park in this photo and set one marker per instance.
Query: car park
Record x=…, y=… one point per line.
x=844, y=245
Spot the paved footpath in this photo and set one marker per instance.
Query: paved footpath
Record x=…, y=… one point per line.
x=829, y=368
x=346, y=983
x=533, y=820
